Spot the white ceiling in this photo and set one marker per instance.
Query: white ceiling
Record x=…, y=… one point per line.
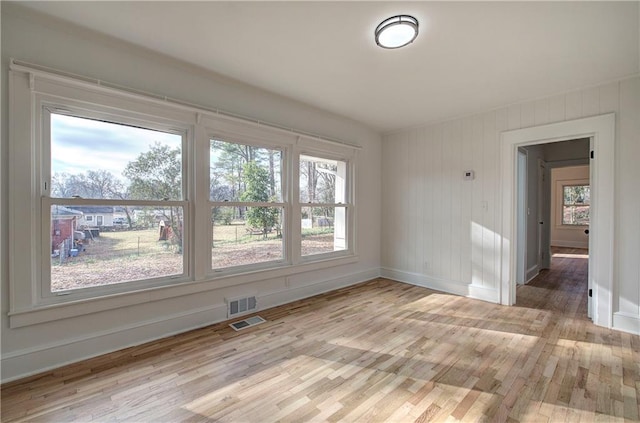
x=469, y=57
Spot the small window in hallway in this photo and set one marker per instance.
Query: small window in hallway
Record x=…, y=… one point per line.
x=575, y=204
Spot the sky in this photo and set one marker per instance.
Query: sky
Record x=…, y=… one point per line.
x=79, y=145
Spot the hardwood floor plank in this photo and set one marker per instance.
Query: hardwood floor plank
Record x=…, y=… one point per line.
x=377, y=351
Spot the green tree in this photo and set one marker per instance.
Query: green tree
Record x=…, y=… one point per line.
x=157, y=175
x=257, y=183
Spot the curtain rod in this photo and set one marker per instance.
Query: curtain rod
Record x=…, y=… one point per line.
x=198, y=108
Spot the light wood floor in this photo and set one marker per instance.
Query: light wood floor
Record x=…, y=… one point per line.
x=378, y=351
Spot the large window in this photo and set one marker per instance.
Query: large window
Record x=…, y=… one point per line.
x=323, y=205
x=122, y=194
x=101, y=173
x=247, y=210
x=575, y=204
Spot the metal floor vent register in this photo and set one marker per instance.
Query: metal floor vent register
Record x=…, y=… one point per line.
x=241, y=305
x=243, y=324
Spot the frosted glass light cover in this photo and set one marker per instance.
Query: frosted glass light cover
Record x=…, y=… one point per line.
x=397, y=31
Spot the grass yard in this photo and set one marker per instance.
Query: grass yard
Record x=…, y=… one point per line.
x=124, y=256
x=116, y=257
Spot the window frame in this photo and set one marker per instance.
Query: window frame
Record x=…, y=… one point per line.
x=46, y=106
x=29, y=87
x=563, y=204
x=347, y=204
x=284, y=204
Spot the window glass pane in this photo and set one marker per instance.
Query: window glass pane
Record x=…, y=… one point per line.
x=246, y=235
x=577, y=195
x=97, y=159
x=323, y=230
x=132, y=243
x=322, y=180
x=244, y=173
x=576, y=199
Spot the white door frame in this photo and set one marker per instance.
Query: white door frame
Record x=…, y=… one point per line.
x=601, y=130
x=521, y=217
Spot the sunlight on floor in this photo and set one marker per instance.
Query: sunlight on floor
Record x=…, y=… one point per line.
x=570, y=255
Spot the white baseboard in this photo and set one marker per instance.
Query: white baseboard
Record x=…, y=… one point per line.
x=31, y=361
x=626, y=322
x=532, y=272
x=289, y=295
x=532, y=277
x=450, y=287
x=19, y=364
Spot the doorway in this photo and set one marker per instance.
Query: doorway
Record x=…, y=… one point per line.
x=600, y=131
x=556, y=212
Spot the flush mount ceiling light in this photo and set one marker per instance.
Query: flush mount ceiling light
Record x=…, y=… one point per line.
x=397, y=31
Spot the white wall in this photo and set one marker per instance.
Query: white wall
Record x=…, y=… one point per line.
x=441, y=231
x=566, y=235
x=33, y=38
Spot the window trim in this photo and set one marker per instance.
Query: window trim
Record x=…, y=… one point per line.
x=28, y=85
x=559, y=201
x=45, y=107
x=284, y=203
x=348, y=205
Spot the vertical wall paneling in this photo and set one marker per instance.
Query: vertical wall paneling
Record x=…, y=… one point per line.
x=400, y=213
x=557, y=108
x=467, y=202
x=541, y=112
x=609, y=98
x=477, y=220
x=391, y=164
x=514, y=117
x=446, y=200
x=502, y=117
x=490, y=165
x=458, y=222
x=591, y=102
x=430, y=201
x=573, y=103
x=627, y=199
x=413, y=207
x=398, y=204
x=527, y=114
x=406, y=202
x=394, y=196
x=456, y=200
x=422, y=201
x=439, y=217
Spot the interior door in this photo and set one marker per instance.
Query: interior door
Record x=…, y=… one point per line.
x=544, y=259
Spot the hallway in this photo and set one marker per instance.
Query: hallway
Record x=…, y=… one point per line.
x=563, y=288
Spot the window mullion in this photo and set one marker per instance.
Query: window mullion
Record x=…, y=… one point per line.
x=295, y=239
x=202, y=225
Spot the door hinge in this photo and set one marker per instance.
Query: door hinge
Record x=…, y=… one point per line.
x=591, y=293
x=592, y=154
